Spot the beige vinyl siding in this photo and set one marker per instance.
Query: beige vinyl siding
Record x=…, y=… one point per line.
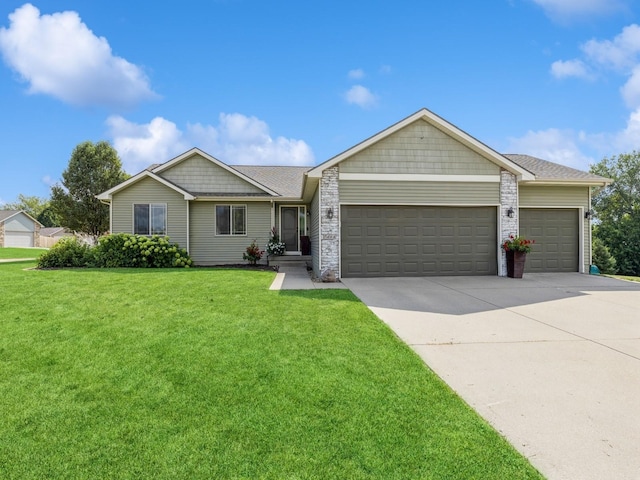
x=419, y=193
x=559, y=196
x=197, y=174
x=148, y=190
x=19, y=223
x=207, y=248
x=552, y=196
x=419, y=148
x=314, y=231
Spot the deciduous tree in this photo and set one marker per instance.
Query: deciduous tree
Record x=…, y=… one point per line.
x=93, y=168
x=617, y=208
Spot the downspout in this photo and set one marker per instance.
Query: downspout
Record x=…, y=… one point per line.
x=188, y=227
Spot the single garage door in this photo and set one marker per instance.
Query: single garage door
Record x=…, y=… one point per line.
x=399, y=241
x=18, y=239
x=556, y=232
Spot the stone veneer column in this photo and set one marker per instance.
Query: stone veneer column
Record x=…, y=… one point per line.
x=329, y=227
x=508, y=225
x=2, y=234
x=36, y=236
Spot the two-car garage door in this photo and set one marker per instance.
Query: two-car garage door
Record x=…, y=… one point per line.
x=401, y=241
x=378, y=241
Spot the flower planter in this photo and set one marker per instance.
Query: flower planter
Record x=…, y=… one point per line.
x=515, y=263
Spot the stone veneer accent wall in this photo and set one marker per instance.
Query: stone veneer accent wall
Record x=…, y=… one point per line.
x=329, y=227
x=36, y=236
x=508, y=226
x=2, y=234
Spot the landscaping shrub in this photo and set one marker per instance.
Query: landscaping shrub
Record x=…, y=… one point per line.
x=68, y=252
x=126, y=250
x=253, y=253
x=602, y=258
x=113, y=251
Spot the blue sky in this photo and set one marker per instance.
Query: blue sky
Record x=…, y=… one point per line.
x=298, y=82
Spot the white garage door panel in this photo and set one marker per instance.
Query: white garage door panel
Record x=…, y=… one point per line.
x=18, y=239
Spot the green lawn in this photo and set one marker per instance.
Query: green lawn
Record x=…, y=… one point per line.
x=11, y=252
x=625, y=277
x=204, y=373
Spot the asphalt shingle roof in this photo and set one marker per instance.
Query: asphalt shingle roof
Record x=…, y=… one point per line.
x=47, y=231
x=545, y=170
x=287, y=181
x=4, y=214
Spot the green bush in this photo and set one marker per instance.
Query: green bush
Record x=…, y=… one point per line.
x=602, y=258
x=113, y=251
x=68, y=252
x=126, y=250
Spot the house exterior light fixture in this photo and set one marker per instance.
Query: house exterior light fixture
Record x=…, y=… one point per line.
x=330, y=213
x=510, y=212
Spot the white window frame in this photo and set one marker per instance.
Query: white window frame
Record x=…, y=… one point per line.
x=232, y=207
x=151, y=208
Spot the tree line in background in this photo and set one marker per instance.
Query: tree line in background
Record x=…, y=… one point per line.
x=616, y=228
x=93, y=169
x=96, y=167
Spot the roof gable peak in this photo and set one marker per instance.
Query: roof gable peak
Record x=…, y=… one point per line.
x=196, y=151
x=439, y=123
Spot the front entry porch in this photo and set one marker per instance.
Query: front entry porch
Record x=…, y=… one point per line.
x=293, y=229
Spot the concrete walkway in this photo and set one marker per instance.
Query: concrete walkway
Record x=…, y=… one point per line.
x=552, y=361
x=12, y=260
x=298, y=278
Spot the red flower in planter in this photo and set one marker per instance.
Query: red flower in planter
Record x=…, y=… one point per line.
x=517, y=244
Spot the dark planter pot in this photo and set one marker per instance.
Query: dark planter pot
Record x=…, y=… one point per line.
x=515, y=264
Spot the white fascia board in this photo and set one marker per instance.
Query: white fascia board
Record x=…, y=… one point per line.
x=442, y=125
x=215, y=161
x=136, y=178
x=411, y=177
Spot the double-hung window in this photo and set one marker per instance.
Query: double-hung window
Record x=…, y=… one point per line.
x=150, y=219
x=231, y=220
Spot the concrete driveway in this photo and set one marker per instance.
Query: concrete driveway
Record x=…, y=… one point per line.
x=552, y=361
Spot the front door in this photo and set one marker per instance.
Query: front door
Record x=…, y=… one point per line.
x=290, y=229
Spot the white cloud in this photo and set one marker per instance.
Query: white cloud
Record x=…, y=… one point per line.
x=243, y=139
x=356, y=74
x=569, y=68
x=565, y=10
x=236, y=139
x=59, y=55
x=140, y=145
x=361, y=96
x=621, y=53
x=48, y=181
x=629, y=138
x=559, y=146
x=570, y=148
x=631, y=89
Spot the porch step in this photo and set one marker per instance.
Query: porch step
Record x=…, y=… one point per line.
x=290, y=260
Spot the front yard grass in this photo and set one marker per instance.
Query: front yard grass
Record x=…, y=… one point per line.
x=13, y=252
x=205, y=373
x=625, y=277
